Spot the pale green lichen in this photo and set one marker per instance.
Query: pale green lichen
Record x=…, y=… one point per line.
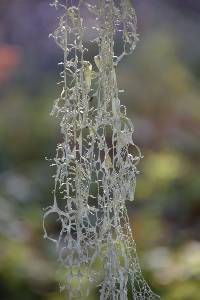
x=95, y=173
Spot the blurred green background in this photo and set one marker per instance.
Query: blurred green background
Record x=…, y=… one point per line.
x=162, y=95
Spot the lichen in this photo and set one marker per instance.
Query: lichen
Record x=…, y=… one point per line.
x=95, y=173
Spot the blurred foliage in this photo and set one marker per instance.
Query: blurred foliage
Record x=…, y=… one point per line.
x=162, y=95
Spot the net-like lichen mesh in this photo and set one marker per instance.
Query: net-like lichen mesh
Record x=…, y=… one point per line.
x=95, y=173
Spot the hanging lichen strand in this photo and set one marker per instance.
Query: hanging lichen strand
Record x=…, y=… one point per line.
x=95, y=173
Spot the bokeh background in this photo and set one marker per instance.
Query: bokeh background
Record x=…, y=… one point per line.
x=162, y=95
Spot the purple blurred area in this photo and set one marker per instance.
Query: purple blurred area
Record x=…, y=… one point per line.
x=162, y=95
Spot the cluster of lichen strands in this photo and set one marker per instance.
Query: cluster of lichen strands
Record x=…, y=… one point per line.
x=95, y=173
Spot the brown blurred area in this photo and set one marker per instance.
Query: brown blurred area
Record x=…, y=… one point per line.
x=162, y=95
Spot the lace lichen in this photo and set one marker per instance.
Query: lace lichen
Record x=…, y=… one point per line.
x=95, y=173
